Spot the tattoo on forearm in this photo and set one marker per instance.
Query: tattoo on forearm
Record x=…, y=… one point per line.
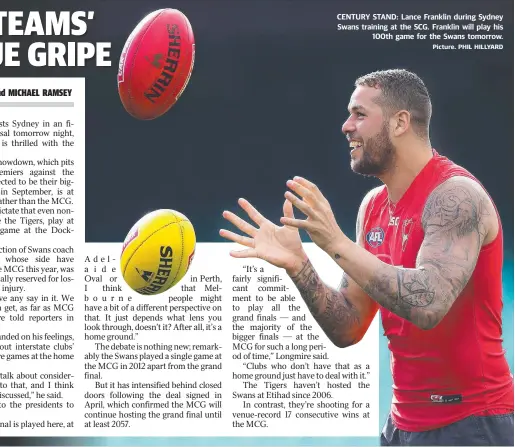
x=331, y=308
x=344, y=283
x=453, y=221
x=414, y=290
x=404, y=294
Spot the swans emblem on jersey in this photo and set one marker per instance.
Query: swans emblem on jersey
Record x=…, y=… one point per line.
x=407, y=226
x=375, y=237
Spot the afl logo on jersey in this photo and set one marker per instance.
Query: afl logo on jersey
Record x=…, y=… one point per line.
x=375, y=237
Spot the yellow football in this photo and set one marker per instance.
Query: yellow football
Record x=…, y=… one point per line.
x=157, y=252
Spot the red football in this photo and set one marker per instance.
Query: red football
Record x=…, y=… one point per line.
x=156, y=63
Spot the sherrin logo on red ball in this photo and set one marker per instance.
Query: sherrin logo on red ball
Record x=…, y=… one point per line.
x=156, y=64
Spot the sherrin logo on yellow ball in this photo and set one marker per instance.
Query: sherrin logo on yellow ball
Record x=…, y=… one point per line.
x=157, y=252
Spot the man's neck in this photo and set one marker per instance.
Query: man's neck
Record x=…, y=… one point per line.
x=407, y=166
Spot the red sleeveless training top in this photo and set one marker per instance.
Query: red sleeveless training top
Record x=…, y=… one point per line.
x=458, y=368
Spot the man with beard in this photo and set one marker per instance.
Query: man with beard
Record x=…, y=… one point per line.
x=428, y=256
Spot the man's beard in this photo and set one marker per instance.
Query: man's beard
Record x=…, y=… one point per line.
x=377, y=155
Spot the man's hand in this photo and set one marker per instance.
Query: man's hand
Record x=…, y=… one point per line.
x=280, y=246
x=345, y=313
x=320, y=223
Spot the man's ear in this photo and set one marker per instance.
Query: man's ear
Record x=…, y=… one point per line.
x=400, y=122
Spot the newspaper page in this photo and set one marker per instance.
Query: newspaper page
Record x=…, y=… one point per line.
x=256, y=223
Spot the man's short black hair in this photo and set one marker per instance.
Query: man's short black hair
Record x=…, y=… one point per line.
x=402, y=90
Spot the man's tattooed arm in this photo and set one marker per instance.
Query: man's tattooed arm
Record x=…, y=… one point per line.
x=344, y=314
x=457, y=218
x=332, y=309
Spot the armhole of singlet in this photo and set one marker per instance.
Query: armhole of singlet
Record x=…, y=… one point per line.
x=498, y=236
x=371, y=196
